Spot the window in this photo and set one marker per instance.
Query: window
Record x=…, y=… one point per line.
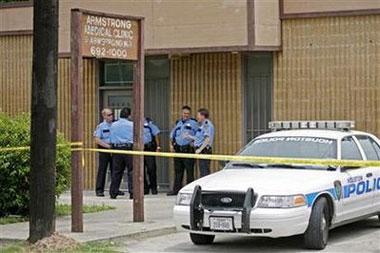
x=293, y=147
x=117, y=73
x=369, y=146
x=350, y=150
x=377, y=148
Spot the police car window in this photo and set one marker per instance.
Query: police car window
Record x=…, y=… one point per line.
x=350, y=150
x=293, y=147
x=368, y=145
x=377, y=148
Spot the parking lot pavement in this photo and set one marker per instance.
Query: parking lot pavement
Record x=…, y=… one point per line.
x=362, y=236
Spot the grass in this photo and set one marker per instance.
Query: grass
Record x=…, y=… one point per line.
x=12, y=219
x=65, y=209
x=104, y=247
x=91, y=247
x=60, y=210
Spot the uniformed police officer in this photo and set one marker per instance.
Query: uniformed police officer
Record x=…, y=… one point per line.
x=122, y=138
x=203, y=140
x=185, y=127
x=102, y=139
x=151, y=143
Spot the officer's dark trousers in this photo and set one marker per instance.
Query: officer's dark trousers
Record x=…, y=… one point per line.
x=180, y=165
x=204, y=165
x=120, y=162
x=105, y=159
x=150, y=173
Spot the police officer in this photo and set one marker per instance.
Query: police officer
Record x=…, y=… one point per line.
x=102, y=139
x=203, y=140
x=185, y=127
x=151, y=143
x=122, y=139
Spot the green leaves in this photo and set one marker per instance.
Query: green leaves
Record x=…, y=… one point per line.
x=15, y=165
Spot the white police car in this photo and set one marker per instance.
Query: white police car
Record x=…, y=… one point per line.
x=276, y=200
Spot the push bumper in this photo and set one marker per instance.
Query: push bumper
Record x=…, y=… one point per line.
x=263, y=221
x=250, y=221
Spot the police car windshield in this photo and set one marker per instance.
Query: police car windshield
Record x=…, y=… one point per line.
x=292, y=147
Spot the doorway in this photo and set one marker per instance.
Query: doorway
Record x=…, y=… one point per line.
x=157, y=107
x=115, y=92
x=116, y=100
x=258, y=93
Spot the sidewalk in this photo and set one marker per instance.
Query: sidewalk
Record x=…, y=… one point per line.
x=113, y=224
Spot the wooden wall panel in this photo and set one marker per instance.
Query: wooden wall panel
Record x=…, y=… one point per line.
x=15, y=73
x=15, y=92
x=212, y=81
x=90, y=119
x=64, y=97
x=329, y=69
x=90, y=111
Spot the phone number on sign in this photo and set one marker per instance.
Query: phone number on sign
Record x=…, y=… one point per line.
x=104, y=52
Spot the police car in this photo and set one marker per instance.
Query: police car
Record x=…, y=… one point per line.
x=276, y=200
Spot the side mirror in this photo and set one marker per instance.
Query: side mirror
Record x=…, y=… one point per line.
x=345, y=168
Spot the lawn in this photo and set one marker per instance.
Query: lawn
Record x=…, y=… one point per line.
x=91, y=247
x=60, y=210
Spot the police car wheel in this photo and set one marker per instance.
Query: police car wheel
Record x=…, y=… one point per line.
x=317, y=233
x=200, y=239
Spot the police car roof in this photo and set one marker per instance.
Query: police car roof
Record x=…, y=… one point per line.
x=319, y=133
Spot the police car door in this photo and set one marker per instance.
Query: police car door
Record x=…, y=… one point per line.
x=371, y=148
x=357, y=197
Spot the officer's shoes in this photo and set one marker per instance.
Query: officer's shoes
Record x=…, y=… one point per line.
x=131, y=196
x=146, y=191
x=154, y=192
x=113, y=197
x=172, y=193
x=99, y=194
x=120, y=193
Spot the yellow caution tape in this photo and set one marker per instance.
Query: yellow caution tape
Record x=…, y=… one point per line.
x=28, y=147
x=255, y=159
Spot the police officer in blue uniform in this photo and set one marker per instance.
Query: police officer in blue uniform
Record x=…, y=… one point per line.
x=203, y=140
x=122, y=139
x=102, y=139
x=181, y=143
x=152, y=144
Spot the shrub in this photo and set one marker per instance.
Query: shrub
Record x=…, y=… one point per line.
x=15, y=165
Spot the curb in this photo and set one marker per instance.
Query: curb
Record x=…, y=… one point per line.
x=136, y=235
x=140, y=235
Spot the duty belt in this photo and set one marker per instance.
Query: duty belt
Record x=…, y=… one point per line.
x=149, y=146
x=184, y=149
x=125, y=145
x=206, y=150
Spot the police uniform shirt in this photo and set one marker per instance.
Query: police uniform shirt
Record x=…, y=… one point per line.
x=103, y=132
x=182, y=129
x=150, y=129
x=204, y=131
x=122, y=132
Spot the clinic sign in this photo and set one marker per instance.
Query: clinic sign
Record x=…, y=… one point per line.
x=98, y=35
x=109, y=37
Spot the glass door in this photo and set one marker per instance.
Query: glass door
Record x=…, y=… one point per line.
x=116, y=100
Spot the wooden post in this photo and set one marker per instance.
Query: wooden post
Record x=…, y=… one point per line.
x=76, y=121
x=44, y=120
x=138, y=128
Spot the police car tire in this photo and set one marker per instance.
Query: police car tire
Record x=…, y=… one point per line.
x=200, y=239
x=316, y=235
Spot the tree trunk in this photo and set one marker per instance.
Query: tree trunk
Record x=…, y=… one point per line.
x=44, y=118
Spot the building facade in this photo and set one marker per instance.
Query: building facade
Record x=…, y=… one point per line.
x=248, y=61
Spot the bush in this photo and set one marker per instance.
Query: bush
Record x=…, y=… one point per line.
x=15, y=165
